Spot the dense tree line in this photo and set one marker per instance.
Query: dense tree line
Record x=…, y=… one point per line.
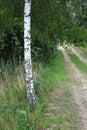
x=11, y=28
x=52, y=22
x=79, y=9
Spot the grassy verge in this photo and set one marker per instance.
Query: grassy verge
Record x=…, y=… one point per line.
x=78, y=62
x=15, y=112
x=80, y=44
x=84, y=50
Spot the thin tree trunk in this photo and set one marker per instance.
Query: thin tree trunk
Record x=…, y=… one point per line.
x=27, y=54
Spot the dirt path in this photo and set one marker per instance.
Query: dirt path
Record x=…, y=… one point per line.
x=77, y=81
x=79, y=54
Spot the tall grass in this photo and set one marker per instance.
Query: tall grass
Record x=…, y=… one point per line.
x=15, y=112
x=13, y=98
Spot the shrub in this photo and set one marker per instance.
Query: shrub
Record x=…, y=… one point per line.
x=11, y=42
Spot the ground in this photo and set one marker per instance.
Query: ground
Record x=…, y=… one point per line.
x=77, y=84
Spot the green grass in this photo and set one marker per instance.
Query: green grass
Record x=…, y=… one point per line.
x=15, y=112
x=82, y=66
x=84, y=51
x=80, y=44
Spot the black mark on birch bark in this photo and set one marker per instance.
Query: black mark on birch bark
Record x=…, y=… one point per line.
x=27, y=38
x=28, y=15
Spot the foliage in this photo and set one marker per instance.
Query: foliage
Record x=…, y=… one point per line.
x=11, y=29
x=11, y=42
x=51, y=22
x=80, y=15
x=80, y=8
x=43, y=30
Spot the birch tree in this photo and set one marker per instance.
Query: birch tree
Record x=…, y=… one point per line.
x=27, y=54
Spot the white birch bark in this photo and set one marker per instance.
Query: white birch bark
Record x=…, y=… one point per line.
x=27, y=54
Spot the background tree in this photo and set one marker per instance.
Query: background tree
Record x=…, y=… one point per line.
x=80, y=15
x=52, y=21
x=11, y=29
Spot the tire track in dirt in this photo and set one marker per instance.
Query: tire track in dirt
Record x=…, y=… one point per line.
x=77, y=81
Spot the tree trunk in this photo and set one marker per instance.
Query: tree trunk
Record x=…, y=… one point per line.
x=27, y=54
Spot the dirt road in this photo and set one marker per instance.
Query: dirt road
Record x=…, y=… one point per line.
x=77, y=81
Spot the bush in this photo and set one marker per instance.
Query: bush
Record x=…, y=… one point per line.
x=43, y=52
x=11, y=42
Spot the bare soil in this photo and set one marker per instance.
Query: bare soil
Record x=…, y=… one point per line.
x=77, y=81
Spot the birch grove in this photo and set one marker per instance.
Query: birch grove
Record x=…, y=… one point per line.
x=27, y=54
